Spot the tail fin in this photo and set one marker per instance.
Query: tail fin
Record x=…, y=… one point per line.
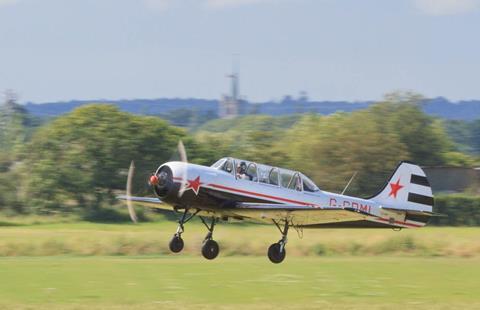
x=407, y=189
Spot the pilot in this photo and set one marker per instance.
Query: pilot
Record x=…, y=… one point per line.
x=242, y=172
x=298, y=184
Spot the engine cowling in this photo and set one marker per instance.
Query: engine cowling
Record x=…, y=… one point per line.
x=163, y=183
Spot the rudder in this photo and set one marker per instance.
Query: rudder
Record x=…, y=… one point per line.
x=407, y=189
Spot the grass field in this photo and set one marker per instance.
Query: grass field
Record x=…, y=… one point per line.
x=247, y=282
x=152, y=239
x=85, y=266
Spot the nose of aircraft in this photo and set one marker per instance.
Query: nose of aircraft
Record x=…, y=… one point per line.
x=167, y=180
x=153, y=180
x=162, y=181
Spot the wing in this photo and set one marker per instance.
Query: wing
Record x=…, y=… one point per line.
x=301, y=215
x=156, y=203
x=315, y=217
x=147, y=202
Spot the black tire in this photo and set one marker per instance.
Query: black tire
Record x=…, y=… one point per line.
x=176, y=244
x=210, y=249
x=275, y=255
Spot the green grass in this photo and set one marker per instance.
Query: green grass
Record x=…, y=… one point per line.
x=79, y=265
x=88, y=239
x=239, y=282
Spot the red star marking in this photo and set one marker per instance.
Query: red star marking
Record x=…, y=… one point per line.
x=194, y=185
x=394, y=188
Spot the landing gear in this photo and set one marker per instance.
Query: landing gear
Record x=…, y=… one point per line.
x=277, y=252
x=176, y=244
x=210, y=248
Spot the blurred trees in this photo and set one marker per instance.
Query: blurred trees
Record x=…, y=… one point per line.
x=81, y=158
x=251, y=137
x=331, y=148
x=188, y=118
x=13, y=121
x=422, y=135
x=460, y=210
x=16, y=125
x=77, y=161
x=9, y=201
x=466, y=135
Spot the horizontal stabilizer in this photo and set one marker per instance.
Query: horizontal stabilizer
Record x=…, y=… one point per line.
x=414, y=212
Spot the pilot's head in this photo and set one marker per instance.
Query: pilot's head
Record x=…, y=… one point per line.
x=242, y=168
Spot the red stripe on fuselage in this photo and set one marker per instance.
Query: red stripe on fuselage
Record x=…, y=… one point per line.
x=295, y=201
x=299, y=202
x=290, y=200
x=254, y=193
x=260, y=195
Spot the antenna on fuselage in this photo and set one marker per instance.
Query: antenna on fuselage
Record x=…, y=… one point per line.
x=348, y=184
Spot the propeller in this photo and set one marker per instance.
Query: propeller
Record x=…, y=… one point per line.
x=183, y=158
x=155, y=180
x=131, y=209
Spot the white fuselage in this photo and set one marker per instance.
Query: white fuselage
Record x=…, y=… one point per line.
x=196, y=178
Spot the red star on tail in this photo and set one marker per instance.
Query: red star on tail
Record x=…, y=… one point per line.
x=194, y=185
x=394, y=188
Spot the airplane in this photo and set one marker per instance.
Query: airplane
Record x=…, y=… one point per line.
x=237, y=189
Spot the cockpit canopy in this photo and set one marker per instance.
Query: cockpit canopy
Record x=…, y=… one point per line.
x=250, y=171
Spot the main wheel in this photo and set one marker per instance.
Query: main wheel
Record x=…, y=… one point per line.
x=176, y=244
x=210, y=249
x=274, y=253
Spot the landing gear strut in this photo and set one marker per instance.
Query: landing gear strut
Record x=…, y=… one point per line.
x=277, y=252
x=176, y=244
x=210, y=247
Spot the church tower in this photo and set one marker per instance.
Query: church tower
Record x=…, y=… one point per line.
x=229, y=104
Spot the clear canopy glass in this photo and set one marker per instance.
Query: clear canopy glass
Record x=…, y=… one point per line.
x=250, y=171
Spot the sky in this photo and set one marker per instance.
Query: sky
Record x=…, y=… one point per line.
x=59, y=50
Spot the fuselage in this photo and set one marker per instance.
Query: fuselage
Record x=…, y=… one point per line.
x=211, y=188
x=242, y=190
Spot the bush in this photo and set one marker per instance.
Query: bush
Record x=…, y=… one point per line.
x=460, y=210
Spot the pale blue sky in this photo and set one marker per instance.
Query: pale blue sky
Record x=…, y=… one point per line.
x=333, y=49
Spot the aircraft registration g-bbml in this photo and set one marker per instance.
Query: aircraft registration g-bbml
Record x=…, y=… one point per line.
x=236, y=189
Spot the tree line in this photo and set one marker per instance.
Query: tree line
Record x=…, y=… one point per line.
x=78, y=162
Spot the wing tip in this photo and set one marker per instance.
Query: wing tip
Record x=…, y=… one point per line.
x=139, y=199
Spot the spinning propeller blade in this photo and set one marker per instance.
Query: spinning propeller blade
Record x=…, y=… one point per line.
x=131, y=209
x=183, y=158
x=154, y=179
